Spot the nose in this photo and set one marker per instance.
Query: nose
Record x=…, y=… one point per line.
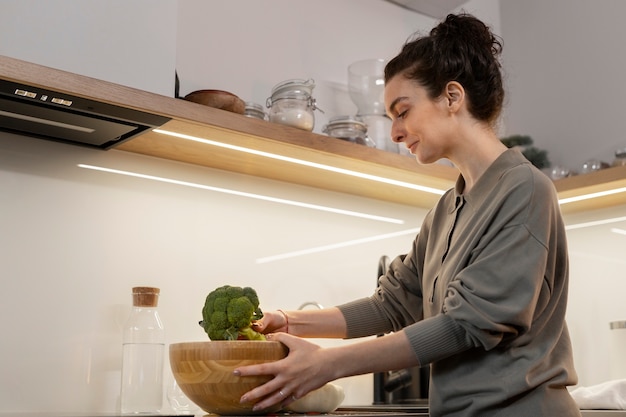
x=397, y=132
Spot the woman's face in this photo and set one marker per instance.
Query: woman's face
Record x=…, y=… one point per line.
x=419, y=122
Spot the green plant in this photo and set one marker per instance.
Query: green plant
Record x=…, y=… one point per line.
x=535, y=156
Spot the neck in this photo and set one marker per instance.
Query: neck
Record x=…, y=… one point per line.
x=476, y=155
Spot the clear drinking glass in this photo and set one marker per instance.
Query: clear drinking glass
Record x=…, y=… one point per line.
x=366, y=86
x=179, y=401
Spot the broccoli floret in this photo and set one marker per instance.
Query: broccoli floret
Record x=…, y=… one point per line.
x=240, y=312
x=228, y=313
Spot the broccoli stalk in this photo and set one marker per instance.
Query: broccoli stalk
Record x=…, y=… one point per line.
x=229, y=312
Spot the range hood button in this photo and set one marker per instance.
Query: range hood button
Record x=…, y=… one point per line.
x=25, y=93
x=62, y=101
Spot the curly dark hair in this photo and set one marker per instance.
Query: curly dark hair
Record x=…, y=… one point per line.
x=463, y=49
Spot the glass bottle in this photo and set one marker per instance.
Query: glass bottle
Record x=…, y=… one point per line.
x=143, y=354
x=617, y=346
x=292, y=104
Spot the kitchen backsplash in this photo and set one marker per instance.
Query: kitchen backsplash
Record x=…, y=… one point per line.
x=74, y=242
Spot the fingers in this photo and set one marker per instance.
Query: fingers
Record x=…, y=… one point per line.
x=281, y=397
x=287, y=398
x=258, y=326
x=272, y=321
x=268, y=395
x=287, y=339
x=287, y=374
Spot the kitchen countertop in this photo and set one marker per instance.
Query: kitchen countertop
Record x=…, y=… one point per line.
x=341, y=412
x=365, y=412
x=355, y=411
x=422, y=410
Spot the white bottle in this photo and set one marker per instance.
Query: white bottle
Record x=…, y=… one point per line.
x=143, y=350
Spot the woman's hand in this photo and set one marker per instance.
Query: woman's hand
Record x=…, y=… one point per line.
x=272, y=322
x=303, y=370
x=309, y=366
x=325, y=323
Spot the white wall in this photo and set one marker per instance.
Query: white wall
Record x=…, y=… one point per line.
x=73, y=242
x=248, y=53
x=563, y=72
x=219, y=47
x=597, y=286
x=565, y=68
x=132, y=43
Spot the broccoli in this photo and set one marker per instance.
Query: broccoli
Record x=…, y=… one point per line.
x=228, y=313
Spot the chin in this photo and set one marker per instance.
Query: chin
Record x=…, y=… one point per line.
x=424, y=160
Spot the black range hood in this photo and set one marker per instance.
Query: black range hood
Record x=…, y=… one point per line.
x=61, y=117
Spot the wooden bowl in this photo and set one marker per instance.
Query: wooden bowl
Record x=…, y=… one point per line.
x=204, y=372
x=218, y=99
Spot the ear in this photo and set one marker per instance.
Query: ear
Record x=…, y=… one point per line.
x=454, y=93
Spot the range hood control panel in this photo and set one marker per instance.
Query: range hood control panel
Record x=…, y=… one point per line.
x=52, y=115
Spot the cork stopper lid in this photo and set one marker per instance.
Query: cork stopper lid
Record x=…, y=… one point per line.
x=145, y=296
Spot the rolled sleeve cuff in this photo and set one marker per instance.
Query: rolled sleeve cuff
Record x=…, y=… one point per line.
x=364, y=318
x=436, y=338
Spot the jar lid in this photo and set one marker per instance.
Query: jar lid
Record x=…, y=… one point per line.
x=145, y=296
x=254, y=106
x=345, y=122
x=295, y=86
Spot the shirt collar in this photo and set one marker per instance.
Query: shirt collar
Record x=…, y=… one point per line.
x=507, y=160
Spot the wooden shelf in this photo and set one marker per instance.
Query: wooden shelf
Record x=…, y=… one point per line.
x=234, y=129
x=594, y=182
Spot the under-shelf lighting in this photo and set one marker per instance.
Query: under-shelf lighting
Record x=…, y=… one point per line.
x=245, y=194
x=592, y=195
x=303, y=162
x=337, y=245
x=356, y=173
x=595, y=223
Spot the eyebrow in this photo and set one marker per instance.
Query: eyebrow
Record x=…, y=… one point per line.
x=392, y=106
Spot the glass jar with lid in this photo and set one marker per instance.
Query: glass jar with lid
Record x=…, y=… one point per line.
x=255, y=111
x=348, y=128
x=292, y=104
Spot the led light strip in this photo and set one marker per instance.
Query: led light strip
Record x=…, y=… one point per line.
x=355, y=173
x=595, y=223
x=336, y=246
x=304, y=162
x=415, y=231
x=592, y=195
x=244, y=194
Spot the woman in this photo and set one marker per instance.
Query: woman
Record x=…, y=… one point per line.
x=482, y=293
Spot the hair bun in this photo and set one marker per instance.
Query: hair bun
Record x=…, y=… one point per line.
x=462, y=49
x=463, y=28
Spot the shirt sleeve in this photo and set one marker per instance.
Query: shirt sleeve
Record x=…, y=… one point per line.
x=396, y=303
